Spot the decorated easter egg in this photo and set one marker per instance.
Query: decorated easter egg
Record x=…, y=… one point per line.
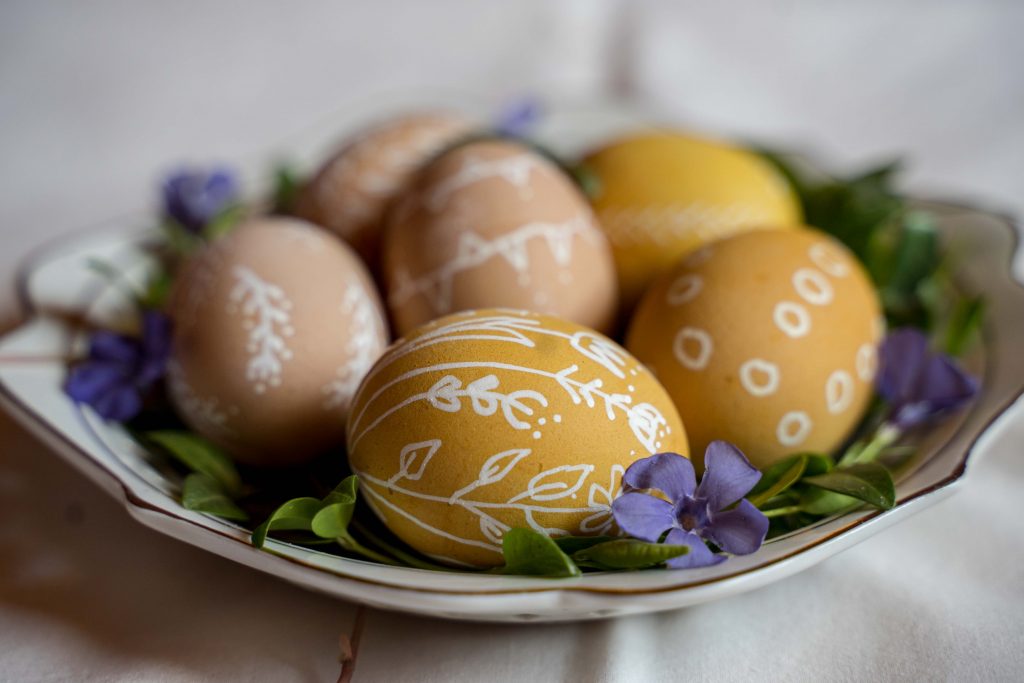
x=660, y=195
x=766, y=339
x=275, y=325
x=496, y=224
x=352, y=189
x=489, y=420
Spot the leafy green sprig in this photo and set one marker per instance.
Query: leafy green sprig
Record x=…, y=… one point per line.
x=898, y=245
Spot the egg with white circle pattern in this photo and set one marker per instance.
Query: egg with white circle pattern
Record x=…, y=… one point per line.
x=275, y=325
x=488, y=420
x=766, y=339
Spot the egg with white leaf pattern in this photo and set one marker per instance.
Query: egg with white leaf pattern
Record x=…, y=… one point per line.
x=275, y=325
x=767, y=340
x=493, y=223
x=349, y=194
x=488, y=420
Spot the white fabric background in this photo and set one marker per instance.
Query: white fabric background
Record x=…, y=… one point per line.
x=97, y=98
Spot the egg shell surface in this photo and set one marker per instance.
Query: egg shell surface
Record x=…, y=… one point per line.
x=350, y=192
x=275, y=325
x=496, y=224
x=488, y=420
x=767, y=340
x=661, y=195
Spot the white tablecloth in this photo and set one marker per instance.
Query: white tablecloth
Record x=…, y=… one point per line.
x=97, y=98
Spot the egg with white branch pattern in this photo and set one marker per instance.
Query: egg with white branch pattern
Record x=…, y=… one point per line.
x=349, y=194
x=275, y=325
x=766, y=339
x=659, y=195
x=493, y=223
x=488, y=420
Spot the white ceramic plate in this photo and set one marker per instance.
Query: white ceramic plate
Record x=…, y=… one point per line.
x=58, y=285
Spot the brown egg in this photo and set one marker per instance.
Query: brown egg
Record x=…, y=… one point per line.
x=350, y=192
x=496, y=224
x=766, y=339
x=489, y=420
x=275, y=325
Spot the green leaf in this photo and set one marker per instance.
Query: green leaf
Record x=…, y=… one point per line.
x=345, y=492
x=296, y=514
x=199, y=455
x=817, y=464
x=202, y=493
x=531, y=553
x=178, y=238
x=114, y=277
x=964, y=325
x=777, y=478
x=869, y=482
x=158, y=288
x=224, y=222
x=816, y=501
x=336, y=510
x=571, y=544
x=287, y=184
x=331, y=521
x=629, y=553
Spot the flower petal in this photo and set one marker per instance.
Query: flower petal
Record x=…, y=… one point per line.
x=945, y=385
x=120, y=404
x=642, y=516
x=156, y=347
x=105, y=345
x=728, y=475
x=739, y=531
x=89, y=381
x=902, y=356
x=699, y=556
x=670, y=473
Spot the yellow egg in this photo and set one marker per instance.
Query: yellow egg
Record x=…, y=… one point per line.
x=489, y=420
x=495, y=224
x=766, y=339
x=350, y=192
x=275, y=325
x=661, y=195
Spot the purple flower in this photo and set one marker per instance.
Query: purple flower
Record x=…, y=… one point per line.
x=917, y=383
x=194, y=198
x=693, y=514
x=516, y=119
x=120, y=368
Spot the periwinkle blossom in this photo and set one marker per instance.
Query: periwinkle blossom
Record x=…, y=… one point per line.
x=692, y=513
x=518, y=117
x=119, y=369
x=917, y=383
x=193, y=198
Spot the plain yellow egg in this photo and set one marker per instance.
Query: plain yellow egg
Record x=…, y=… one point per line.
x=661, y=195
x=489, y=420
x=766, y=339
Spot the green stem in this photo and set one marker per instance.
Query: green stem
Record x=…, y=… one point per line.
x=780, y=512
x=408, y=558
x=860, y=452
x=349, y=543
